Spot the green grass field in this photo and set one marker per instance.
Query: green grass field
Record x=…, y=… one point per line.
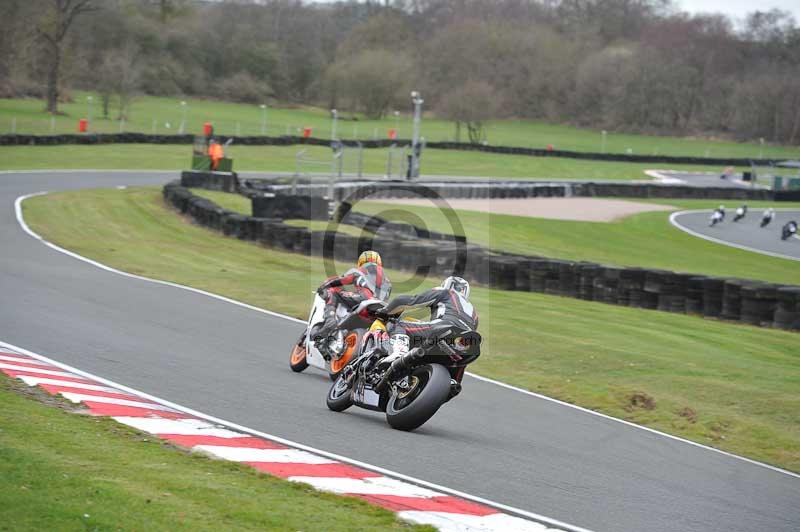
x=645, y=240
x=728, y=385
x=152, y=114
x=283, y=159
x=64, y=471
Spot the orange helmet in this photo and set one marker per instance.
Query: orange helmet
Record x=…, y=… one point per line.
x=369, y=256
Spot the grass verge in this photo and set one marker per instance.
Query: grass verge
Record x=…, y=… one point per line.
x=165, y=115
x=282, y=159
x=61, y=471
x=728, y=385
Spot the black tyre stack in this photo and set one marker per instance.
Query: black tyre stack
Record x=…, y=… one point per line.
x=758, y=303
x=787, y=314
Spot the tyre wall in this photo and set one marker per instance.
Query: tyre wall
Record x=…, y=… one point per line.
x=144, y=138
x=745, y=301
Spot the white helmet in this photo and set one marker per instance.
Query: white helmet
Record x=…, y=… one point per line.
x=458, y=284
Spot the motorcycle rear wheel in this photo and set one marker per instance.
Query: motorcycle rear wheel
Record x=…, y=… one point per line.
x=430, y=390
x=339, y=397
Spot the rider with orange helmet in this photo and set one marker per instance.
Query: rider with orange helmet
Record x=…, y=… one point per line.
x=369, y=281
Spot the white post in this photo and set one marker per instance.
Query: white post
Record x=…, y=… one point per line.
x=417, y=100
x=603, y=145
x=52, y=124
x=89, y=110
x=761, y=149
x=182, y=129
x=14, y=126
x=263, y=119
x=334, y=115
x=397, y=124
x=121, y=124
x=154, y=126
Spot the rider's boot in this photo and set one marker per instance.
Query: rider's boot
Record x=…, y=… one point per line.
x=320, y=332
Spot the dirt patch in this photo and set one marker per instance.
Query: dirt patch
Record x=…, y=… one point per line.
x=577, y=209
x=688, y=414
x=640, y=400
x=38, y=394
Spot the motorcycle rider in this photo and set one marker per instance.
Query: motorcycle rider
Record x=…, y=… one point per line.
x=741, y=212
x=716, y=217
x=450, y=309
x=789, y=229
x=369, y=281
x=767, y=217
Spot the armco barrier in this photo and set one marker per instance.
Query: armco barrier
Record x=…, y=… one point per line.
x=753, y=302
x=144, y=138
x=350, y=191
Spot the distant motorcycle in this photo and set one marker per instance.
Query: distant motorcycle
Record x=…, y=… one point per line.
x=767, y=217
x=788, y=230
x=716, y=217
x=741, y=212
x=415, y=385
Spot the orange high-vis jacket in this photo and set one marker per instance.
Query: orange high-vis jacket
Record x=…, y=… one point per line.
x=216, y=153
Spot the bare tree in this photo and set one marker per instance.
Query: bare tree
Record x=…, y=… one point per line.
x=53, y=29
x=472, y=104
x=372, y=80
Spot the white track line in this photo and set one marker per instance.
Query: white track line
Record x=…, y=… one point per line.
x=21, y=221
x=212, y=426
x=674, y=222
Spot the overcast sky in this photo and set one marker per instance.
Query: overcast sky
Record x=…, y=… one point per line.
x=739, y=8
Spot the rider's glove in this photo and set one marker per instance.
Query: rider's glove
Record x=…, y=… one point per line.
x=324, y=286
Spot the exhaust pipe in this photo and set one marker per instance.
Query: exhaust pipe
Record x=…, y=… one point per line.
x=402, y=364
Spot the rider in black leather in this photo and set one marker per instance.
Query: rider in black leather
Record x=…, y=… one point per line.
x=450, y=309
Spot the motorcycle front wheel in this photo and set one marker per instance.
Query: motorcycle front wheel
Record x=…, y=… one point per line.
x=429, y=389
x=339, y=397
x=297, y=358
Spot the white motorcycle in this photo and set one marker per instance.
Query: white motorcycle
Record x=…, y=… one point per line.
x=342, y=345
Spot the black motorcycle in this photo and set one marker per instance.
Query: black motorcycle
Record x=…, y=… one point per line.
x=788, y=230
x=415, y=385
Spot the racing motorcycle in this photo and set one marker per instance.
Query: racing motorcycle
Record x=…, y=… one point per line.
x=418, y=381
x=788, y=230
x=341, y=346
x=741, y=212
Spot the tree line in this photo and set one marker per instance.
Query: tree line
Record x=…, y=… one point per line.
x=621, y=65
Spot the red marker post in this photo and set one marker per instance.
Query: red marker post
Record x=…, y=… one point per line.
x=306, y=132
x=393, y=134
x=83, y=125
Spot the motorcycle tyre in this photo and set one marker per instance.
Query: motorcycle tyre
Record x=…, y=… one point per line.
x=298, y=365
x=426, y=404
x=338, y=403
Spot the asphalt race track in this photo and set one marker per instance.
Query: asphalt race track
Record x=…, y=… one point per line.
x=745, y=233
x=492, y=442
